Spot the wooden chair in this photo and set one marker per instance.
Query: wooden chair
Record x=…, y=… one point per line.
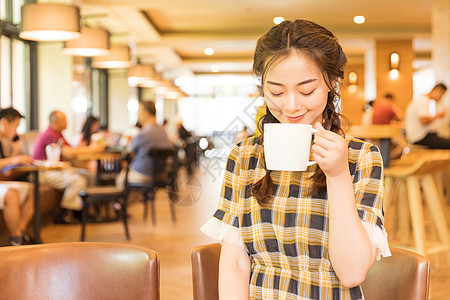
x=412, y=178
x=164, y=177
x=88, y=271
x=404, y=275
x=101, y=195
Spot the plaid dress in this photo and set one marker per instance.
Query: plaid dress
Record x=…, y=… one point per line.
x=287, y=241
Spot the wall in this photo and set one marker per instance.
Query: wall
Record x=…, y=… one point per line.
x=54, y=84
x=401, y=88
x=119, y=93
x=353, y=103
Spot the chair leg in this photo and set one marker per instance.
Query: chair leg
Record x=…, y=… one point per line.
x=432, y=198
x=125, y=216
x=145, y=205
x=403, y=216
x=172, y=211
x=84, y=217
x=416, y=209
x=152, y=202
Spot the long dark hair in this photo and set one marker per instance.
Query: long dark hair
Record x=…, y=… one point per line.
x=86, y=131
x=322, y=48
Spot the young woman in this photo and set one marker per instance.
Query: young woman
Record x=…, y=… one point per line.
x=91, y=126
x=300, y=235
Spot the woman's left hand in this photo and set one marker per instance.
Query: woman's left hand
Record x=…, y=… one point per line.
x=330, y=151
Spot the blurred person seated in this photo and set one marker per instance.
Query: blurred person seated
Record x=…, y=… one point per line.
x=189, y=144
x=422, y=119
x=67, y=179
x=16, y=198
x=384, y=111
x=151, y=135
x=90, y=127
x=85, y=138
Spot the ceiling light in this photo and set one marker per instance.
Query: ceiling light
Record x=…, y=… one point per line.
x=278, y=20
x=93, y=42
x=50, y=22
x=215, y=68
x=118, y=58
x=359, y=19
x=208, y=51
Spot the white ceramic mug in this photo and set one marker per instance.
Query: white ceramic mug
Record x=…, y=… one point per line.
x=287, y=146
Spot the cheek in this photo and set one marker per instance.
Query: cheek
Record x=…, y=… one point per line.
x=273, y=105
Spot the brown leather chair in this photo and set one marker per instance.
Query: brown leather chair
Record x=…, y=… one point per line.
x=205, y=271
x=79, y=271
x=404, y=275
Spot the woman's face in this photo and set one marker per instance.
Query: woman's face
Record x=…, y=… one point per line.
x=295, y=90
x=95, y=127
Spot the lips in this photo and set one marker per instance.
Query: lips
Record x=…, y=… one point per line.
x=296, y=118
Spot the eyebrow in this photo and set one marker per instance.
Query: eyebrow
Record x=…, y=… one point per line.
x=300, y=83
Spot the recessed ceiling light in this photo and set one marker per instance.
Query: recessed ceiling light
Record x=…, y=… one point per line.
x=208, y=51
x=359, y=19
x=278, y=20
x=215, y=68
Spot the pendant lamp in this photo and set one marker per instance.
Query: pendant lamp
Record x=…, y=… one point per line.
x=118, y=58
x=93, y=42
x=50, y=22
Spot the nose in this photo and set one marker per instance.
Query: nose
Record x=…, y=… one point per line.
x=291, y=103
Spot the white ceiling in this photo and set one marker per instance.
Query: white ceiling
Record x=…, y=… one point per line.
x=173, y=33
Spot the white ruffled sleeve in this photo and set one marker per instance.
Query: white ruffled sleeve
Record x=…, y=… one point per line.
x=378, y=237
x=221, y=231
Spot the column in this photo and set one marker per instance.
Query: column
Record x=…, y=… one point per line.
x=440, y=30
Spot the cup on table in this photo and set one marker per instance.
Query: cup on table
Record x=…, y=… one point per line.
x=53, y=152
x=287, y=146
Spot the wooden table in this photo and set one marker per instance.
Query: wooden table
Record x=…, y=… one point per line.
x=382, y=133
x=34, y=169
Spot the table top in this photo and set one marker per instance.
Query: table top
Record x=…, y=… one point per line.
x=42, y=166
x=99, y=155
x=375, y=131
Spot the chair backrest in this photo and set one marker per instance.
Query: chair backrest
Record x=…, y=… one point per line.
x=79, y=271
x=404, y=275
x=164, y=165
x=205, y=271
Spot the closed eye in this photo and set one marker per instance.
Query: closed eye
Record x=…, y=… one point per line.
x=308, y=94
x=276, y=94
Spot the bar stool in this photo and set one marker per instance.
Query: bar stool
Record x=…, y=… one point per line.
x=410, y=179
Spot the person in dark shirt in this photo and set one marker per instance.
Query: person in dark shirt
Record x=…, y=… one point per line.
x=151, y=135
x=16, y=198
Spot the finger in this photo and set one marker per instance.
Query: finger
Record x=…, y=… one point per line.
x=318, y=150
x=319, y=126
x=324, y=142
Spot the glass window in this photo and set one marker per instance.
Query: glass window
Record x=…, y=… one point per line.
x=17, y=11
x=20, y=80
x=3, y=9
x=5, y=74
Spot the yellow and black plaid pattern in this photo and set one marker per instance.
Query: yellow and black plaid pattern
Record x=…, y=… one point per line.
x=287, y=241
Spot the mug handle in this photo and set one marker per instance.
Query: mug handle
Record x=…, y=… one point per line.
x=313, y=162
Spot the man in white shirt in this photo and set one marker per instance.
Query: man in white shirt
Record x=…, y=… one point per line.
x=421, y=122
